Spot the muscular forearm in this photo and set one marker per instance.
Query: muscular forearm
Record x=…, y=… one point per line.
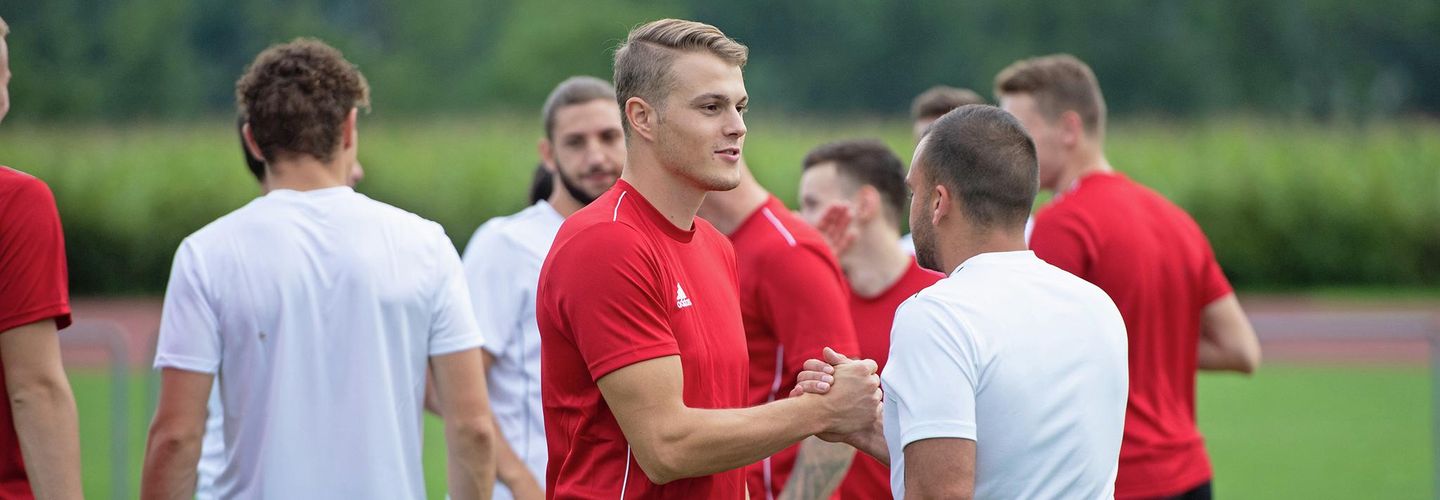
x=511, y=469
x=470, y=448
x=46, y=423
x=170, y=462
x=1215, y=356
x=700, y=442
x=819, y=468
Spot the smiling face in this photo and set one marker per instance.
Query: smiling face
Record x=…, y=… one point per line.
x=700, y=127
x=587, y=149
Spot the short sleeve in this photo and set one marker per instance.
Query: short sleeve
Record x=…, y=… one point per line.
x=1213, y=284
x=932, y=373
x=807, y=307
x=611, y=294
x=189, y=328
x=452, y=321
x=496, y=296
x=1062, y=239
x=34, y=285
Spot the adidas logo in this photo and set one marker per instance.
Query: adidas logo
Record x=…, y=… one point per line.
x=681, y=301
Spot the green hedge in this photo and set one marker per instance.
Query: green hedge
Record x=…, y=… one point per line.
x=1285, y=205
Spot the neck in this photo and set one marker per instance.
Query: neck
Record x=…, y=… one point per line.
x=561, y=200
x=875, y=262
x=676, y=199
x=1087, y=161
x=727, y=210
x=966, y=244
x=305, y=173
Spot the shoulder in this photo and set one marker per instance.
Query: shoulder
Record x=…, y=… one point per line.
x=588, y=241
x=22, y=186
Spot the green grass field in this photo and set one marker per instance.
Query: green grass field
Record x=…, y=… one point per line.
x=1292, y=431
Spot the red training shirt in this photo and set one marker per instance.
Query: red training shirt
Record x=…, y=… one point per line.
x=1158, y=267
x=873, y=317
x=33, y=287
x=793, y=298
x=623, y=285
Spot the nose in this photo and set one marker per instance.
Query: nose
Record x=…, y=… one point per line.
x=735, y=126
x=357, y=173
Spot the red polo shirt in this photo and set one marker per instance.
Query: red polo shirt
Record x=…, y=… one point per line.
x=1156, y=264
x=33, y=287
x=794, y=301
x=623, y=285
x=873, y=317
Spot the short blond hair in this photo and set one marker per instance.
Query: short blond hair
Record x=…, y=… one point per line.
x=1059, y=83
x=642, y=63
x=4, y=28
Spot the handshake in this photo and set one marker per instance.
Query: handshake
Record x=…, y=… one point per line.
x=849, y=393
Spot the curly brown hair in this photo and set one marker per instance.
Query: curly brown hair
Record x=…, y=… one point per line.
x=295, y=96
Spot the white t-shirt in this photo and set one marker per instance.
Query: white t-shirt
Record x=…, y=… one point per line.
x=502, y=266
x=318, y=312
x=1021, y=357
x=907, y=242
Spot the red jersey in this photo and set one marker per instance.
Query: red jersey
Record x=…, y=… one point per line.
x=33, y=287
x=623, y=285
x=793, y=299
x=1156, y=264
x=873, y=317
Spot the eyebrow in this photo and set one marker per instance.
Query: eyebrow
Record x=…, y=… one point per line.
x=717, y=97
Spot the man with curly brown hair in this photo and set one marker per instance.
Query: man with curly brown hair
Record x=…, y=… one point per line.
x=317, y=312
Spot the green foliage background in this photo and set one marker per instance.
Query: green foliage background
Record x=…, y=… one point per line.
x=1332, y=59
x=1285, y=206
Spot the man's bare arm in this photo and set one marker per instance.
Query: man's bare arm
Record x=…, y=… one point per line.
x=1227, y=341
x=940, y=468
x=43, y=408
x=469, y=427
x=509, y=467
x=173, y=449
x=671, y=441
x=819, y=467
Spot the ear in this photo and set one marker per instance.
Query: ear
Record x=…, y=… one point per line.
x=250, y=145
x=347, y=129
x=941, y=201
x=1072, y=128
x=867, y=203
x=642, y=117
x=547, y=153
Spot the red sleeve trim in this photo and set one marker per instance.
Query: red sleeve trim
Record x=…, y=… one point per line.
x=604, y=366
x=60, y=311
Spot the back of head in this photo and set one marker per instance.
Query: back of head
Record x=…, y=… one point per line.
x=642, y=63
x=1058, y=83
x=572, y=91
x=940, y=99
x=867, y=162
x=984, y=156
x=541, y=184
x=296, y=95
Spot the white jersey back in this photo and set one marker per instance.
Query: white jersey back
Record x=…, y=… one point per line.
x=1021, y=357
x=502, y=266
x=318, y=312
